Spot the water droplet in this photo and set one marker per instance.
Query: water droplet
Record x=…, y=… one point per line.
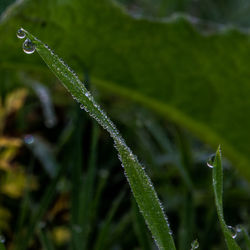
x=28, y=139
x=233, y=231
x=20, y=34
x=194, y=245
x=81, y=106
x=210, y=161
x=28, y=47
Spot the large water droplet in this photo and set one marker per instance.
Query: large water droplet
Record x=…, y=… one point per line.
x=194, y=245
x=233, y=231
x=28, y=47
x=20, y=34
x=210, y=161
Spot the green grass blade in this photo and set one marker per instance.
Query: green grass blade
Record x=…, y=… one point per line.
x=45, y=240
x=218, y=189
x=86, y=197
x=246, y=237
x=103, y=235
x=187, y=218
x=140, y=183
x=75, y=162
x=95, y=204
x=82, y=192
x=120, y=229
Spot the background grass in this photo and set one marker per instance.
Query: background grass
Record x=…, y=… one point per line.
x=40, y=210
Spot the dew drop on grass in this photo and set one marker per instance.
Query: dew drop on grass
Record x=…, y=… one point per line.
x=233, y=231
x=20, y=34
x=28, y=47
x=194, y=245
x=210, y=161
x=81, y=106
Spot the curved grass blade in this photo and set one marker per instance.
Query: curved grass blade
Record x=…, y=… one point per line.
x=140, y=183
x=218, y=189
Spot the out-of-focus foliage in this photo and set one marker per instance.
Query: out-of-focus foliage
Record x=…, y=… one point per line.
x=13, y=179
x=168, y=66
x=212, y=13
x=190, y=70
x=4, y=4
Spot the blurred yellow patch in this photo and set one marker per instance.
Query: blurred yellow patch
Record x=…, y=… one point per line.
x=13, y=180
x=61, y=204
x=6, y=157
x=14, y=183
x=8, y=150
x=61, y=235
x=15, y=100
x=10, y=142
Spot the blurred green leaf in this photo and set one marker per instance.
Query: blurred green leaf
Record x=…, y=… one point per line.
x=200, y=82
x=4, y=4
